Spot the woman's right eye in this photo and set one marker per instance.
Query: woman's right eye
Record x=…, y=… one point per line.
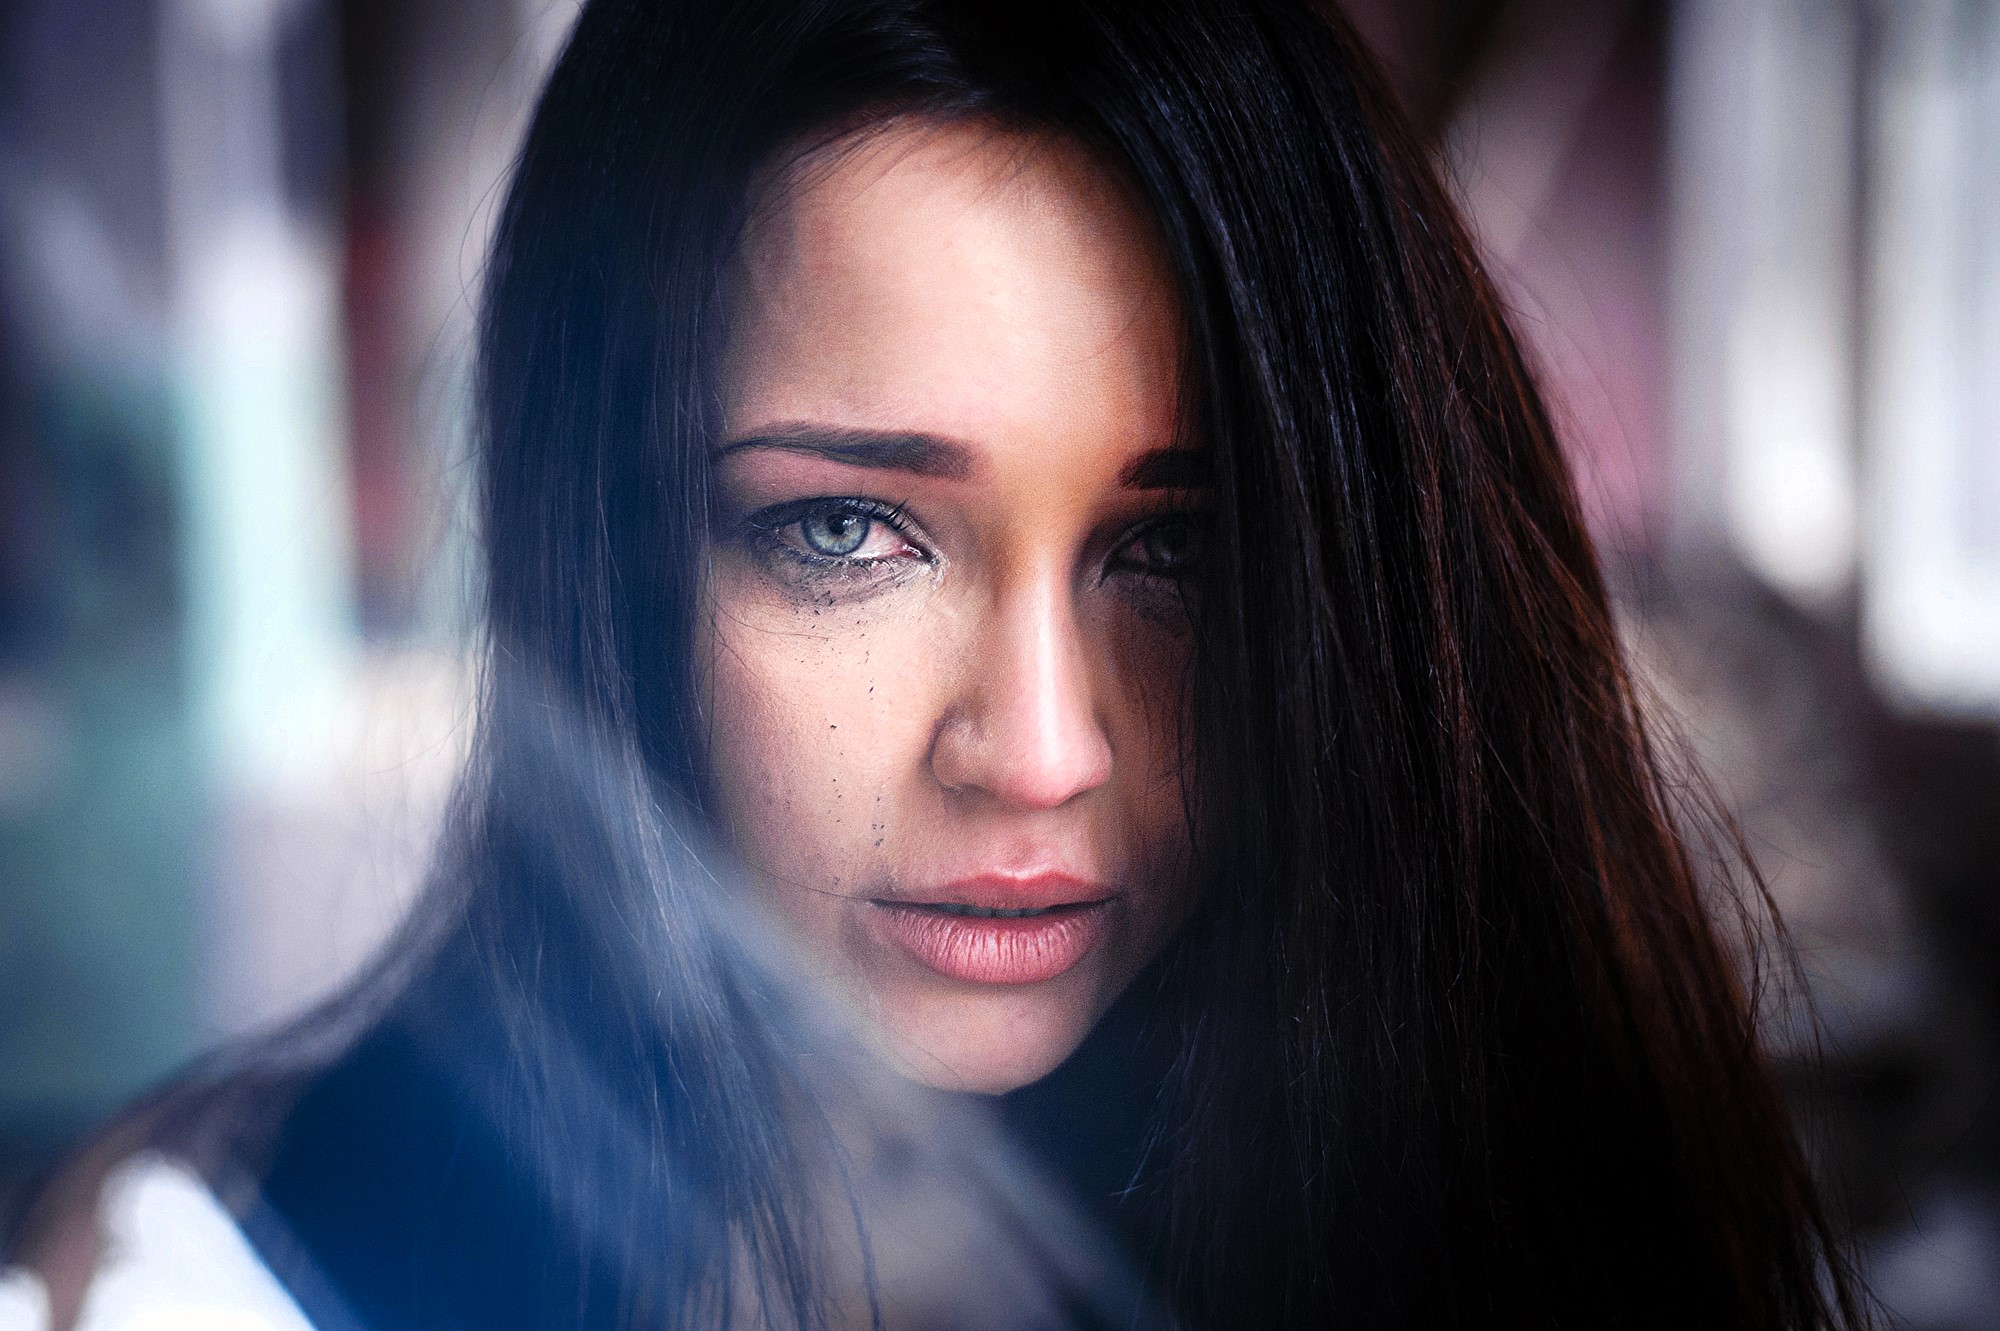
x=835, y=533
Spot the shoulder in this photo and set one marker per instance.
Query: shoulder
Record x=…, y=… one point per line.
x=156, y=1248
x=132, y=1226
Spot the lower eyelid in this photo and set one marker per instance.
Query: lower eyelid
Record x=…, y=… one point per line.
x=800, y=566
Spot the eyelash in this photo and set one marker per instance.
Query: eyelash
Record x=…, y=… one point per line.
x=766, y=524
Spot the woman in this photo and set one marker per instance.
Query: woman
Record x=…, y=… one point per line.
x=1046, y=490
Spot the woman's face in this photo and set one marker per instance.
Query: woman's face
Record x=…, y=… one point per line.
x=948, y=653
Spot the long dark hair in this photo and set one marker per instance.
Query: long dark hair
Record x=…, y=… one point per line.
x=1454, y=1040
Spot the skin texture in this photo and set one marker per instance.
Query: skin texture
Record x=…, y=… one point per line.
x=999, y=688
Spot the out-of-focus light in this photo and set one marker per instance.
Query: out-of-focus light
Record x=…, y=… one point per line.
x=1790, y=493
x=1837, y=311
x=1931, y=593
x=1762, y=174
x=257, y=366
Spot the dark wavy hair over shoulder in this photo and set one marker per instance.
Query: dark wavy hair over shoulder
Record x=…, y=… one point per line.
x=1457, y=1042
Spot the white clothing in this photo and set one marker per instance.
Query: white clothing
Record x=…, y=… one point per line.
x=172, y=1260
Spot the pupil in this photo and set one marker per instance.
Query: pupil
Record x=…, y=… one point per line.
x=1170, y=546
x=835, y=533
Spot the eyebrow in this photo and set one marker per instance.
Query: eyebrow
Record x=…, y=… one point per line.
x=1169, y=469
x=923, y=454
x=887, y=450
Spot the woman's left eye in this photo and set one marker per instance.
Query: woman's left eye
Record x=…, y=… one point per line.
x=1168, y=547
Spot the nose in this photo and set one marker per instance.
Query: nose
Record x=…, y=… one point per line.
x=1025, y=729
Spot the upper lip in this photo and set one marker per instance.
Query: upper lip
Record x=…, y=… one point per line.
x=1008, y=891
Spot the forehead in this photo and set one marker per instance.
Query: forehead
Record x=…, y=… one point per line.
x=958, y=280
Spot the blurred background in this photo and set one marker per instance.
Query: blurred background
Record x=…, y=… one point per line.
x=1754, y=246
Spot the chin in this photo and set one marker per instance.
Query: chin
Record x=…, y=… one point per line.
x=986, y=1042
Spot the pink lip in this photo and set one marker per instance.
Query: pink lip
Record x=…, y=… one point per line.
x=995, y=950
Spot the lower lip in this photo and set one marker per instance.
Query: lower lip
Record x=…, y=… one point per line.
x=990, y=950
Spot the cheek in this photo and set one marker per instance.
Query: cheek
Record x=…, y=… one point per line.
x=1149, y=656
x=1153, y=654
x=816, y=721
